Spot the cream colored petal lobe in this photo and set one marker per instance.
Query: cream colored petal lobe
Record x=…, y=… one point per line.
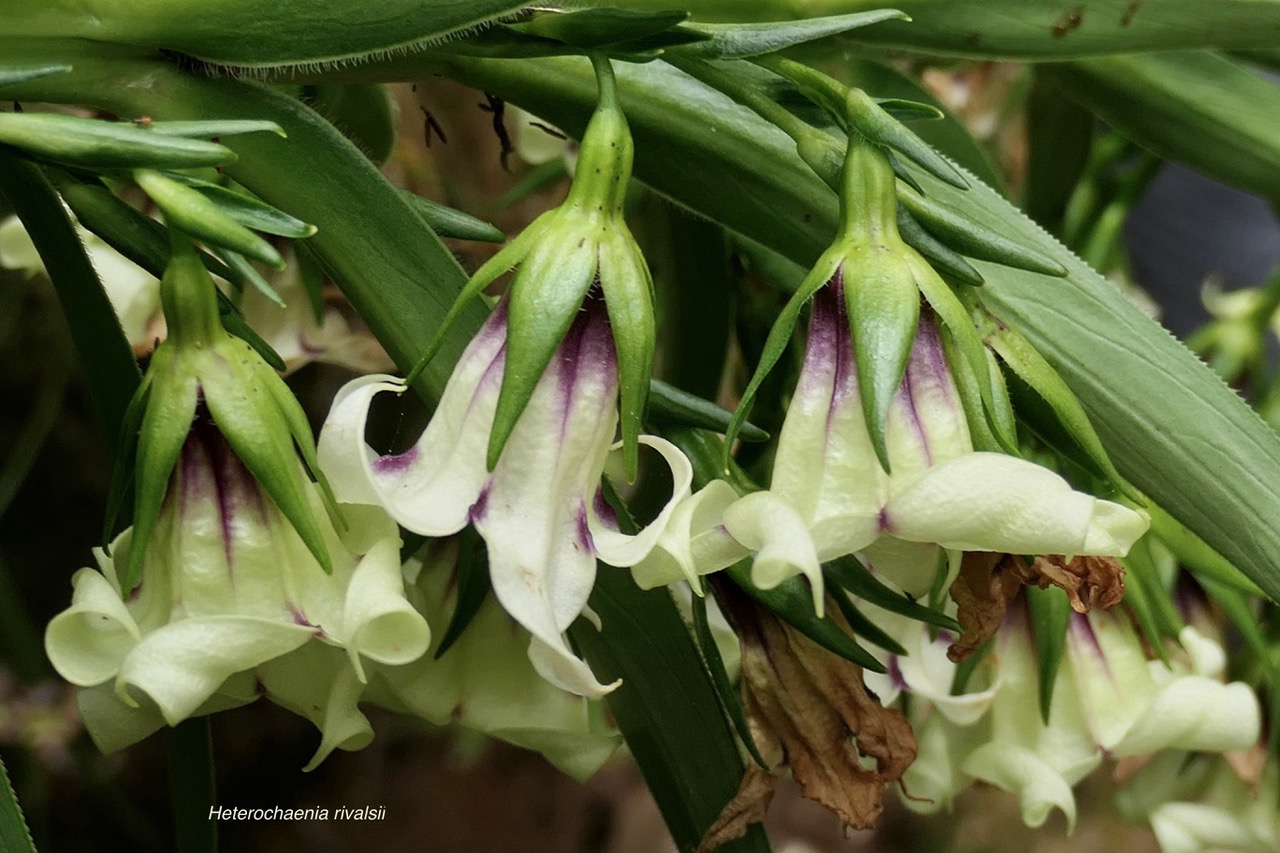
x=624, y=550
x=89, y=640
x=182, y=664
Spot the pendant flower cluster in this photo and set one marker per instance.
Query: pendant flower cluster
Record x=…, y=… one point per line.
x=519, y=441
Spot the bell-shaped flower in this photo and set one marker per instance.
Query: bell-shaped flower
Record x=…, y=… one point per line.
x=1135, y=706
x=1036, y=760
x=540, y=509
x=229, y=593
x=484, y=681
x=201, y=366
x=830, y=496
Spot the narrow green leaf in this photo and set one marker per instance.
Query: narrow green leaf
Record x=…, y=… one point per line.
x=449, y=222
x=243, y=272
x=1032, y=29
x=863, y=627
x=939, y=256
x=1030, y=367
x=398, y=275
x=873, y=122
x=103, y=351
x=1206, y=564
x=192, y=786
x=14, y=835
x=208, y=129
x=92, y=144
x=1050, y=613
x=252, y=34
x=247, y=210
x=725, y=690
x=21, y=74
x=1059, y=135
x=190, y=211
x=596, y=28
x=536, y=180
x=666, y=707
x=792, y=601
x=907, y=110
x=736, y=41
x=850, y=575
x=974, y=239
x=473, y=587
x=1196, y=107
x=668, y=404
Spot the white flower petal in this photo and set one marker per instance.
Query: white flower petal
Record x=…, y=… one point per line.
x=89, y=640
x=992, y=502
x=377, y=620
x=694, y=542
x=182, y=664
x=623, y=550
x=431, y=487
x=770, y=526
x=1196, y=713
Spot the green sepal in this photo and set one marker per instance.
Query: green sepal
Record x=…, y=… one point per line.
x=473, y=587
x=979, y=420
x=1002, y=418
x=780, y=337
x=506, y=258
x=739, y=41
x=628, y=295
x=966, y=668
x=243, y=272
x=1146, y=595
x=449, y=222
x=170, y=409
x=1050, y=613
x=873, y=122
x=955, y=318
x=248, y=211
x=968, y=236
x=12, y=75
x=544, y=299
x=122, y=471
x=671, y=405
x=904, y=109
x=1195, y=555
x=730, y=703
x=938, y=254
x=849, y=574
x=214, y=127
x=596, y=28
x=863, y=627
x=139, y=238
x=792, y=602
x=303, y=440
x=245, y=407
x=93, y=144
x=190, y=211
x=1025, y=362
x=235, y=324
x=884, y=309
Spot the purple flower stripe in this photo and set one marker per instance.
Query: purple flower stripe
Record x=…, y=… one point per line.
x=396, y=462
x=1085, y=640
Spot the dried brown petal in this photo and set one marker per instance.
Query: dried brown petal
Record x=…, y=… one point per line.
x=982, y=592
x=1092, y=583
x=814, y=705
x=748, y=806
